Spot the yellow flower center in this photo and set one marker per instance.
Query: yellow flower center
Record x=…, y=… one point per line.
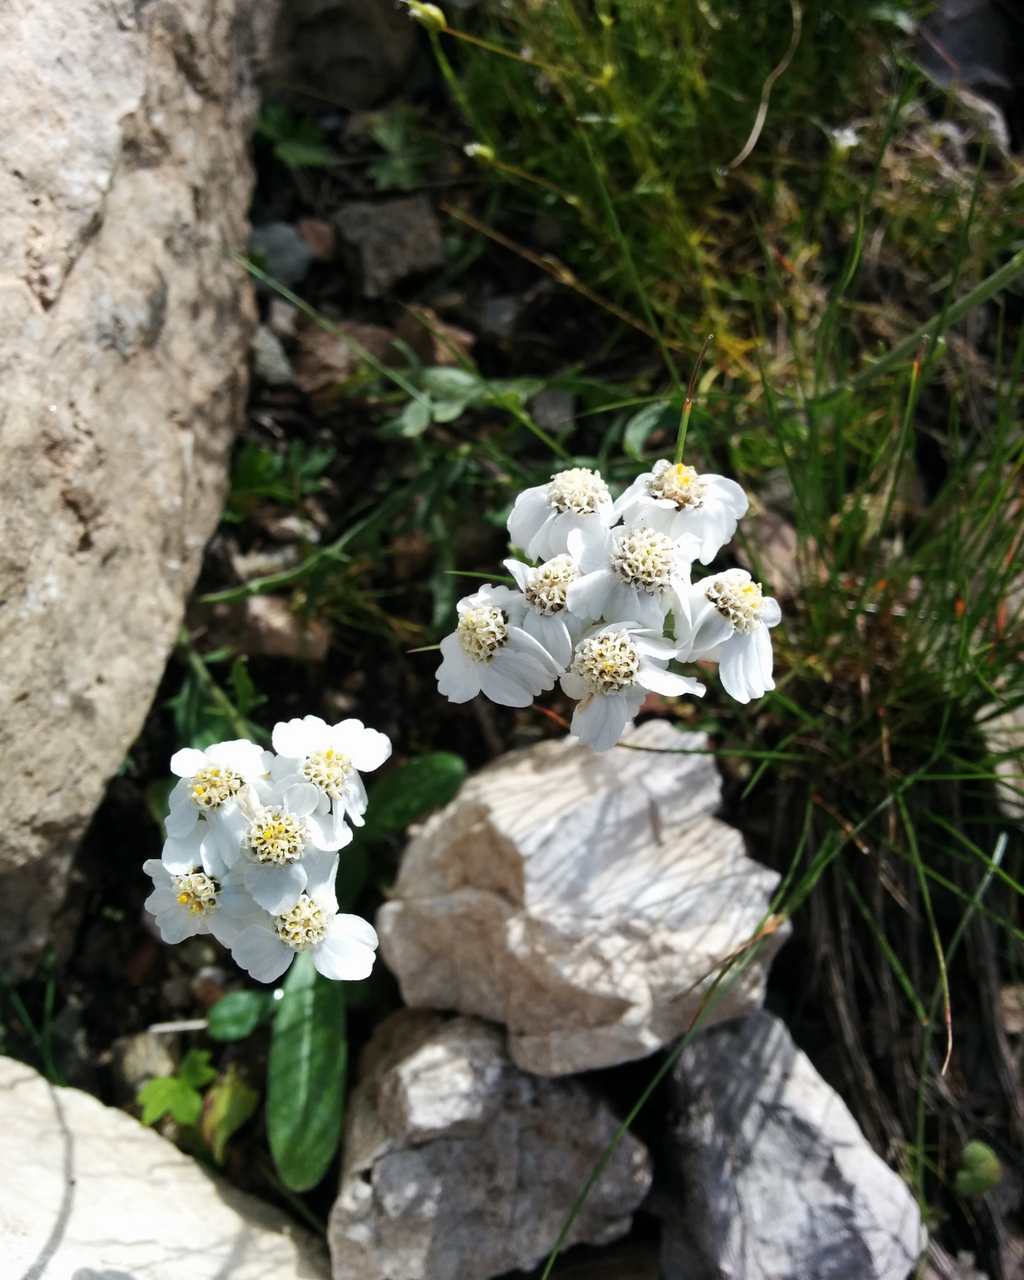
x=303, y=926
x=482, y=631
x=737, y=599
x=197, y=892
x=643, y=558
x=607, y=663
x=212, y=786
x=679, y=484
x=277, y=836
x=328, y=770
x=579, y=490
x=549, y=582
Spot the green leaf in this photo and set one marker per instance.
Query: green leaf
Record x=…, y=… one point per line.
x=168, y=1095
x=980, y=1170
x=412, y=790
x=238, y=1014
x=452, y=384
x=643, y=424
x=447, y=410
x=306, y=1076
x=298, y=154
x=414, y=418
x=227, y=1106
x=247, y=697
x=195, y=1069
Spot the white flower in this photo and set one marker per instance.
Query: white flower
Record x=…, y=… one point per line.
x=278, y=847
x=341, y=946
x=330, y=758
x=189, y=903
x=613, y=669
x=728, y=624
x=490, y=653
x=543, y=517
x=213, y=844
x=546, y=616
x=646, y=575
x=674, y=499
x=212, y=781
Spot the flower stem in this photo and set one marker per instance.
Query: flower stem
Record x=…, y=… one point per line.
x=684, y=421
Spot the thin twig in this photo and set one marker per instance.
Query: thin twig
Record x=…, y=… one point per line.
x=766, y=89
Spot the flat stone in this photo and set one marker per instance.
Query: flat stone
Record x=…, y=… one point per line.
x=389, y=240
x=456, y=1164
x=97, y=1196
x=773, y=1179
x=124, y=332
x=583, y=900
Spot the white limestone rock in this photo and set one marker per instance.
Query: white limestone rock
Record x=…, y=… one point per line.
x=583, y=900
x=92, y=1193
x=456, y=1164
x=124, y=335
x=773, y=1178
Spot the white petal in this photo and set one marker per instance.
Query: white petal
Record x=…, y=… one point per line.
x=210, y=854
x=520, y=572
x=732, y=667
x=458, y=676
x=668, y=683
x=321, y=872
x=599, y=721
x=330, y=831
x=261, y=953
x=366, y=748
x=297, y=739
x=302, y=799
x=240, y=754
x=550, y=631
x=177, y=924
x=155, y=869
x=770, y=613
x=528, y=513
x=729, y=494
x=276, y=889
x=588, y=596
x=344, y=954
x=503, y=687
x=163, y=898
x=573, y=685
x=188, y=761
x=629, y=496
x=180, y=823
x=180, y=856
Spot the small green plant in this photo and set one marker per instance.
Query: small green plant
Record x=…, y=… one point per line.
x=297, y=141
x=209, y=1108
x=260, y=475
x=178, y=1096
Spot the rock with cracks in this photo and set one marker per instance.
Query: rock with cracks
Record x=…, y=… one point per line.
x=773, y=1178
x=585, y=901
x=456, y=1164
x=98, y=1197
x=124, y=332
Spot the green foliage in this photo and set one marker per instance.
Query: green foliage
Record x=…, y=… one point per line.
x=408, y=149
x=203, y=711
x=178, y=1095
x=228, y=1104
x=449, y=393
x=238, y=1014
x=260, y=475
x=306, y=1076
x=297, y=140
x=412, y=791
x=980, y=1170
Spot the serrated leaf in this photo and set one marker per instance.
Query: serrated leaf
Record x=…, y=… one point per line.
x=169, y=1095
x=306, y=1076
x=413, y=790
x=238, y=1014
x=643, y=424
x=226, y=1107
x=195, y=1069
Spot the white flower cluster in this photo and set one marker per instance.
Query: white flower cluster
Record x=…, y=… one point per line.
x=591, y=607
x=252, y=847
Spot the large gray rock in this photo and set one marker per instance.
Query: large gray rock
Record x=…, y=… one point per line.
x=93, y=1194
x=583, y=900
x=459, y=1165
x=774, y=1180
x=124, y=330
